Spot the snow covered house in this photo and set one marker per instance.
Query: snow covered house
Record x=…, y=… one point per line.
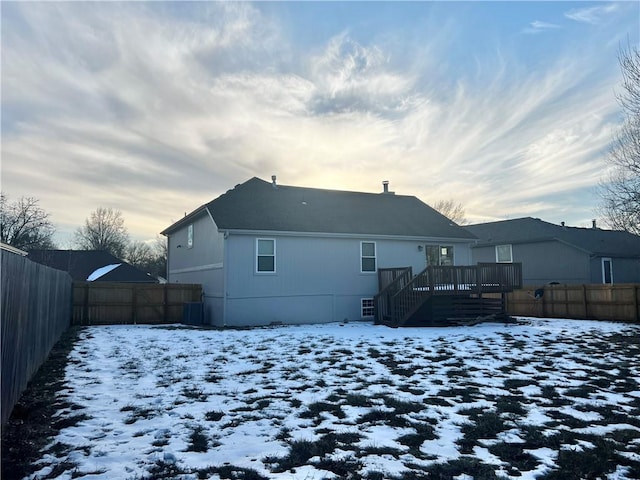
x=91, y=266
x=268, y=253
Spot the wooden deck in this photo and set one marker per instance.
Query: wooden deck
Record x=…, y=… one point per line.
x=402, y=295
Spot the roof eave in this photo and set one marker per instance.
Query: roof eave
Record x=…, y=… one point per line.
x=184, y=220
x=283, y=233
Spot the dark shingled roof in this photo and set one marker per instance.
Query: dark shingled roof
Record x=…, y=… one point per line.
x=527, y=230
x=82, y=263
x=258, y=205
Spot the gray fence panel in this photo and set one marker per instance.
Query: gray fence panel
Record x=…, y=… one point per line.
x=36, y=310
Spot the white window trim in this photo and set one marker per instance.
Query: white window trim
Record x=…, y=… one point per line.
x=375, y=257
x=190, y=236
x=602, y=262
x=266, y=272
x=362, y=307
x=510, y=253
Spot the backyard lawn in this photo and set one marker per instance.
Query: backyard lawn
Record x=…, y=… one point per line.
x=547, y=399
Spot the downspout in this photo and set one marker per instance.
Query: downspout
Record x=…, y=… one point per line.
x=225, y=278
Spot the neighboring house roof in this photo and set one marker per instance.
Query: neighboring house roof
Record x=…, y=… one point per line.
x=257, y=205
x=594, y=241
x=91, y=265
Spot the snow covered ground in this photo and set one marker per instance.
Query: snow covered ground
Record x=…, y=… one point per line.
x=527, y=400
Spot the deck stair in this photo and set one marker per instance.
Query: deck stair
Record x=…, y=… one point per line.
x=444, y=294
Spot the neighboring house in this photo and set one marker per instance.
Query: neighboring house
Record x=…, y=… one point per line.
x=557, y=253
x=91, y=266
x=267, y=253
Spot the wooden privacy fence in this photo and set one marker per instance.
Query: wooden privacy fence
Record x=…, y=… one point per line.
x=592, y=302
x=36, y=310
x=106, y=303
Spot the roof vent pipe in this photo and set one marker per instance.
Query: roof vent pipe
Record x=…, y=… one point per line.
x=385, y=186
x=593, y=223
x=273, y=181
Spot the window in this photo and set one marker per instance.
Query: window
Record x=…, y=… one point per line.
x=367, y=257
x=439, y=255
x=504, y=254
x=368, y=309
x=607, y=271
x=265, y=255
x=190, y=236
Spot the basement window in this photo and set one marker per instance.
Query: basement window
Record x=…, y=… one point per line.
x=504, y=254
x=368, y=309
x=367, y=257
x=265, y=255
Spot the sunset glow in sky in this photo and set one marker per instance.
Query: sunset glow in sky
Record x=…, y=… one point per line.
x=156, y=108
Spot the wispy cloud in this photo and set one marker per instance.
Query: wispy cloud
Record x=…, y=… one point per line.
x=539, y=27
x=592, y=15
x=135, y=107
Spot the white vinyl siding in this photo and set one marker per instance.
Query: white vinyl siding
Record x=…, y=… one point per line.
x=367, y=257
x=265, y=255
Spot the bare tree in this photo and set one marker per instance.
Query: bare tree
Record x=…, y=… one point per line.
x=452, y=210
x=151, y=258
x=139, y=254
x=24, y=224
x=103, y=230
x=620, y=191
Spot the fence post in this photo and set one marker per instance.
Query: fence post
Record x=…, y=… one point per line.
x=134, y=301
x=636, y=303
x=585, y=302
x=165, y=302
x=85, y=307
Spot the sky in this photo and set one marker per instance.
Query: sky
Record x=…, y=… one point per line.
x=156, y=108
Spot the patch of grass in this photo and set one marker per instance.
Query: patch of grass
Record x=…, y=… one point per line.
x=316, y=408
x=583, y=391
x=402, y=407
x=300, y=451
x=380, y=450
x=385, y=417
x=374, y=352
x=198, y=441
x=510, y=404
x=441, y=402
x=195, y=393
x=514, y=383
x=467, y=394
x=358, y=400
x=514, y=455
x=463, y=465
x=230, y=472
x=213, y=416
x=486, y=425
x=597, y=462
x=71, y=421
x=137, y=413
x=343, y=468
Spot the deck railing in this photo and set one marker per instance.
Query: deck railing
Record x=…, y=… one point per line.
x=390, y=282
x=402, y=297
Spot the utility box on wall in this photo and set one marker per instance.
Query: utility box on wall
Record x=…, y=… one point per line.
x=192, y=313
